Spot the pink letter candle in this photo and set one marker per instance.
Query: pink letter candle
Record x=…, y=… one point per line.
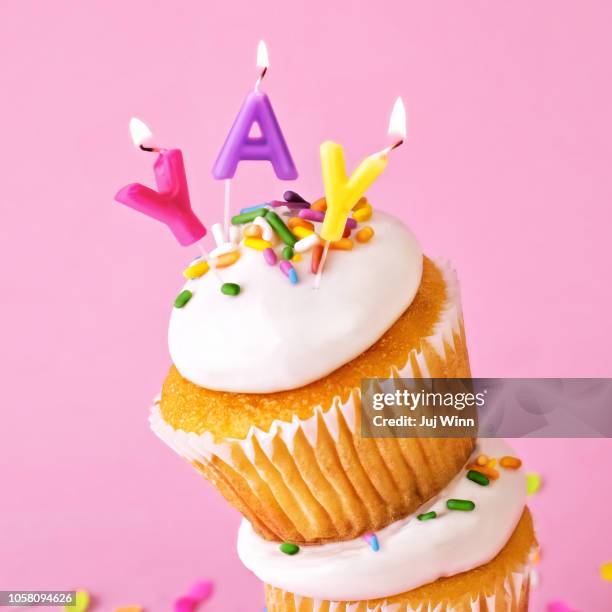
x=170, y=203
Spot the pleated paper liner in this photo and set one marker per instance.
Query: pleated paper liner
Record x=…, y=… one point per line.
x=314, y=480
x=502, y=585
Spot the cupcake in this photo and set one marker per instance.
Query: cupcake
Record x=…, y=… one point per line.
x=263, y=397
x=446, y=556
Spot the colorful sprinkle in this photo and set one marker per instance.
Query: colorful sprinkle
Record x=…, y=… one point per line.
x=293, y=196
x=351, y=223
x=347, y=232
x=287, y=253
x=311, y=215
x=301, y=232
x=266, y=229
x=489, y=472
x=278, y=225
x=182, y=298
x=249, y=216
x=372, y=540
x=427, y=516
x=289, y=271
x=364, y=234
x=605, y=570
x=510, y=463
x=362, y=214
x=305, y=244
x=81, y=603
x=297, y=257
x=320, y=205
x=465, y=505
x=289, y=549
x=315, y=261
x=253, y=230
x=198, y=593
x=249, y=209
x=257, y=243
x=295, y=221
x=197, y=269
x=227, y=259
x=534, y=483
x=344, y=244
x=270, y=256
x=478, y=478
x=129, y=609
x=482, y=460
x=230, y=288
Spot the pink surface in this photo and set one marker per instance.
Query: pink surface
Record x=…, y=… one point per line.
x=507, y=172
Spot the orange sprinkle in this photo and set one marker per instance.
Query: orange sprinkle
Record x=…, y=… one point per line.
x=297, y=257
x=227, y=259
x=294, y=222
x=252, y=231
x=320, y=205
x=315, y=261
x=360, y=203
x=482, y=460
x=344, y=244
x=490, y=472
x=364, y=234
x=510, y=463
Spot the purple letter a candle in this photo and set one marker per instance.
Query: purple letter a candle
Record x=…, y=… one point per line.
x=269, y=146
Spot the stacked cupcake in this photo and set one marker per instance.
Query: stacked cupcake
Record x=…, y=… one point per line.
x=263, y=399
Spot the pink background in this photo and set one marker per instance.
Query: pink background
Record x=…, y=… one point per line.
x=507, y=172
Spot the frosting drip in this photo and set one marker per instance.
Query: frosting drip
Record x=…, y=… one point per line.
x=276, y=336
x=412, y=553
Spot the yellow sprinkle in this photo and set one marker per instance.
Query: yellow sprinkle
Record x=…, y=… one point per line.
x=510, y=463
x=252, y=231
x=362, y=214
x=200, y=268
x=129, y=609
x=298, y=221
x=605, y=569
x=227, y=259
x=492, y=463
x=81, y=602
x=297, y=257
x=301, y=232
x=344, y=244
x=361, y=203
x=534, y=483
x=364, y=234
x=257, y=243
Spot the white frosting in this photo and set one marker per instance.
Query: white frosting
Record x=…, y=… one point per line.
x=202, y=447
x=276, y=336
x=412, y=552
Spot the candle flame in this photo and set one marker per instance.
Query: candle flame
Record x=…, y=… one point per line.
x=262, y=55
x=397, y=121
x=139, y=131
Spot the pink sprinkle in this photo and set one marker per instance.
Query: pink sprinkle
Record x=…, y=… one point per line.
x=351, y=223
x=289, y=271
x=311, y=215
x=270, y=256
x=291, y=205
x=198, y=593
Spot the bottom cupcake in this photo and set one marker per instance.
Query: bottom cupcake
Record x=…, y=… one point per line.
x=468, y=549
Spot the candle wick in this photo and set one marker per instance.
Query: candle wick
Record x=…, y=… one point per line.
x=260, y=78
x=390, y=148
x=151, y=149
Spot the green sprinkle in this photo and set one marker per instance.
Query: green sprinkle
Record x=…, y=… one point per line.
x=287, y=253
x=278, y=225
x=289, y=549
x=465, y=505
x=249, y=216
x=230, y=288
x=182, y=298
x=427, y=516
x=478, y=478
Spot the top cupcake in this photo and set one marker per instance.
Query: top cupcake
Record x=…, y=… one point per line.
x=278, y=335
